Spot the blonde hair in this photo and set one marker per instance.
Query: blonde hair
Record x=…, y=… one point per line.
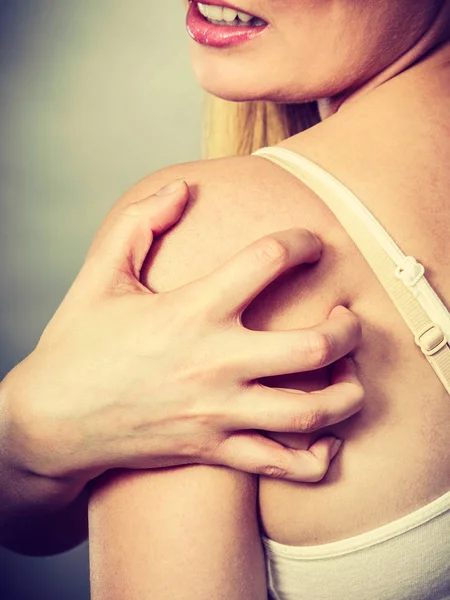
x=240, y=128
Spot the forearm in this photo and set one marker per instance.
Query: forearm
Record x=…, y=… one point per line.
x=188, y=533
x=50, y=525
x=39, y=515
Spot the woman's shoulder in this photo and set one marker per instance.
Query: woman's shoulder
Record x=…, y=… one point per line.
x=393, y=154
x=233, y=201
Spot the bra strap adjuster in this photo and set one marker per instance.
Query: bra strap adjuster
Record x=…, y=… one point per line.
x=410, y=272
x=431, y=339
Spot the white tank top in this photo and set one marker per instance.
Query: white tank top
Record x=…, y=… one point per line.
x=408, y=559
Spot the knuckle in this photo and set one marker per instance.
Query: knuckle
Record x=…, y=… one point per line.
x=207, y=371
x=272, y=251
x=189, y=310
x=275, y=471
x=119, y=283
x=309, y=421
x=132, y=210
x=198, y=447
x=197, y=301
x=318, y=472
x=320, y=348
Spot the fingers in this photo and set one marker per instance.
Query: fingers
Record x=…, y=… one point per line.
x=232, y=287
x=292, y=411
x=257, y=454
x=263, y=354
x=125, y=242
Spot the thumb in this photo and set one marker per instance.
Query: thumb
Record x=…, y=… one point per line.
x=125, y=239
x=257, y=454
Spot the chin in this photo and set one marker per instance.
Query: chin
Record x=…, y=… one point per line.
x=235, y=91
x=239, y=85
x=239, y=78
x=225, y=77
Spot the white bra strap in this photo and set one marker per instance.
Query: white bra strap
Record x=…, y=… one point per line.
x=402, y=276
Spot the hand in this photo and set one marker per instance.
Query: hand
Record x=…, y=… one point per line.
x=125, y=378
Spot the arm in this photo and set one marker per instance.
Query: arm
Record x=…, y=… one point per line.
x=49, y=448
x=39, y=515
x=117, y=381
x=183, y=533
x=190, y=533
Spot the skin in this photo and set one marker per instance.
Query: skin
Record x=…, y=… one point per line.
x=166, y=398
x=363, y=39
x=387, y=105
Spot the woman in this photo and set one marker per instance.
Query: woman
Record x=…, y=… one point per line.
x=378, y=525
x=122, y=377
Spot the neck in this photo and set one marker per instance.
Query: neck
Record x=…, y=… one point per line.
x=435, y=35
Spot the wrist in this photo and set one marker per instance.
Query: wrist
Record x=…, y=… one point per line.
x=27, y=448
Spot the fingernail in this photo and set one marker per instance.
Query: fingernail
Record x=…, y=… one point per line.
x=170, y=189
x=336, y=447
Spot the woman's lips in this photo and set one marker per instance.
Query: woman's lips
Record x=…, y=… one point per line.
x=217, y=36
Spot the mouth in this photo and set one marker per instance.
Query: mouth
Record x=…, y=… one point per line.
x=225, y=16
x=221, y=25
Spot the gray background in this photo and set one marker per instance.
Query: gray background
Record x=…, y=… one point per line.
x=94, y=95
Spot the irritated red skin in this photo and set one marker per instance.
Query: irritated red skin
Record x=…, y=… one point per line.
x=207, y=34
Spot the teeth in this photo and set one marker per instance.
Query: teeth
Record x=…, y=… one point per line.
x=215, y=13
x=244, y=17
x=229, y=14
x=203, y=9
x=223, y=15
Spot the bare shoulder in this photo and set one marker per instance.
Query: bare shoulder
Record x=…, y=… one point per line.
x=233, y=202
